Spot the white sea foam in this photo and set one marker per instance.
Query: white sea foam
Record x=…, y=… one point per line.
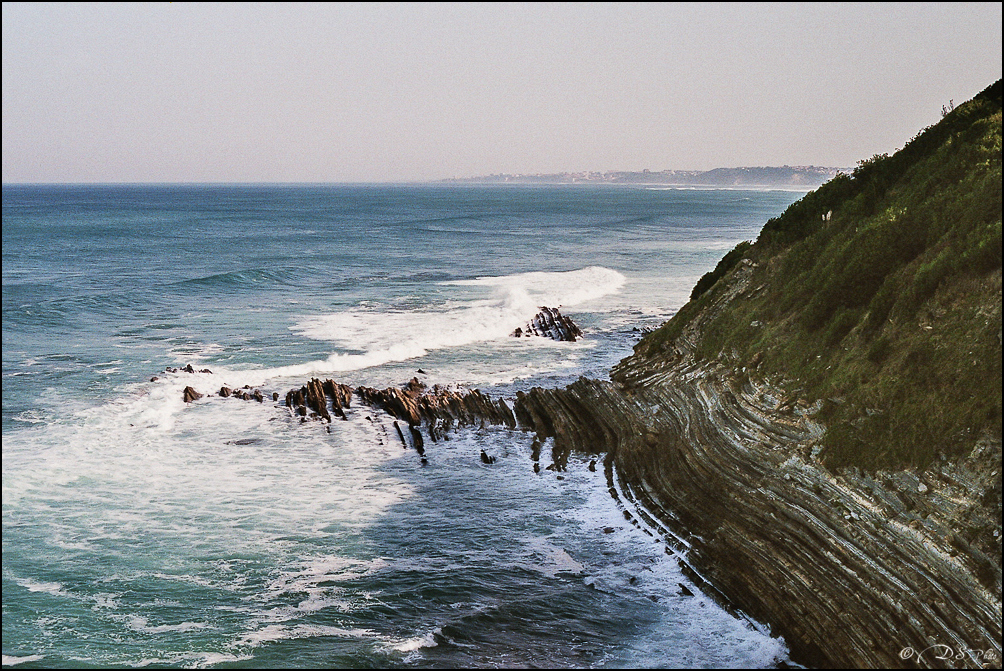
x=554, y=560
x=141, y=624
x=195, y=660
x=278, y=632
x=427, y=640
x=13, y=660
x=384, y=336
x=51, y=588
x=555, y=288
x=693, y=630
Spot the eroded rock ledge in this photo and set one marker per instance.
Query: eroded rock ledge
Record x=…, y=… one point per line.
x=854, y=570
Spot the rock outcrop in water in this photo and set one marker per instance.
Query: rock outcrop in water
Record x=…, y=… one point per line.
x=439, y=409
x=550, y=323
x=314, y=396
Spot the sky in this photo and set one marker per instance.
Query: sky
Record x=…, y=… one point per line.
x=340, y=92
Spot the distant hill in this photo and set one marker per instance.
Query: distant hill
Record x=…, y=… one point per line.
x=799, y=176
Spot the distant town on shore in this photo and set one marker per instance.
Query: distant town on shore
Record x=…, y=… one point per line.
x=784, y=176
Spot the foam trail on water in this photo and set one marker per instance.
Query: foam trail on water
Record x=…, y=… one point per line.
x=387, y=336
x=567, y=288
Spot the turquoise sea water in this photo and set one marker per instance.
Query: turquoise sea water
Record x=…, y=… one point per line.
x=138, y=530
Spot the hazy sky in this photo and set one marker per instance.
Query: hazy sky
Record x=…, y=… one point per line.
x=378, y=92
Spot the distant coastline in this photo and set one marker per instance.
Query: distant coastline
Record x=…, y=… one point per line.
x=801, y=176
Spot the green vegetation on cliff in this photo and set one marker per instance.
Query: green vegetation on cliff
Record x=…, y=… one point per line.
x=878, y=295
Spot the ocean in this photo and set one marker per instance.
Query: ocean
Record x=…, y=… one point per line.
x=139, y=530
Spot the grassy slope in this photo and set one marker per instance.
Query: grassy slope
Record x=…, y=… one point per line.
x=890, y=310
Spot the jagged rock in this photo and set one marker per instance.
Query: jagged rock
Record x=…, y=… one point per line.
x=416, y=440
x=341, y=397
x=225, y=392
x=314, y=395
x=188, y=369
x=257, y=395
x=400, y=434
x=317, y=399
x=414, y=405
x=486, y=458
x=550, y=323
x=191, y=395
x=275, y=396
x=414, y=386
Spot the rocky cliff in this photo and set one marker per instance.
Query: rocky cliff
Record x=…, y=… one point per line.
x=818, y=430
x=855, y=569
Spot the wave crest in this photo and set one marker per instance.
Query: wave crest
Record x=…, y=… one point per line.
x=378, y=337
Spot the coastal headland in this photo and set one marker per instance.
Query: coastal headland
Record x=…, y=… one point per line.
x=819, y=427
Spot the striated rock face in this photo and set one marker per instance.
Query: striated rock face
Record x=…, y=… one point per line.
x=853, y=569
x=550, y=323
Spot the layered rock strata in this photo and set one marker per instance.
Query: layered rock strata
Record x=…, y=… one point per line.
x=438, y=409
x=854, y=570
x=888, y=569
